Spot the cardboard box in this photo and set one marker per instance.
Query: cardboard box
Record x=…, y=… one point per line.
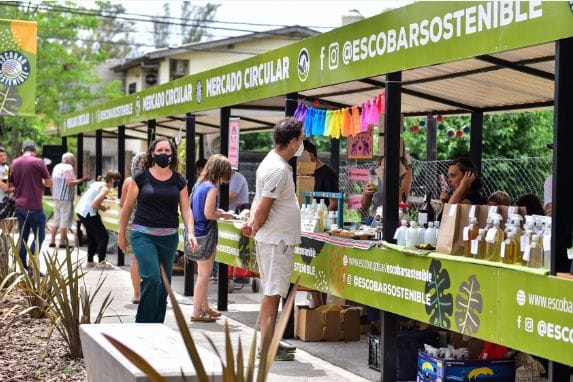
x=327, y=323
x=303, y=184
x=305, y=168
x=431, y=369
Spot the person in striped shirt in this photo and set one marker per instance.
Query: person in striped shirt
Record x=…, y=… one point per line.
x=63, y=191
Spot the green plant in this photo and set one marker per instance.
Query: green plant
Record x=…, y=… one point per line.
x=233, y=368
x=70, y=301
x=8, y=316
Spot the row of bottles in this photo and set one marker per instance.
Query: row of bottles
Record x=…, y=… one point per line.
x=315, y=217
x=514, y=245
x=412, y=235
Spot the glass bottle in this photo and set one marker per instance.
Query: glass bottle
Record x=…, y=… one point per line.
x=470, y=233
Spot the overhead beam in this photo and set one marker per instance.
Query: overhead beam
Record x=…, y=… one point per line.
x=254, y=120
x=256, y=107
x=518, y=106
x=516, y=66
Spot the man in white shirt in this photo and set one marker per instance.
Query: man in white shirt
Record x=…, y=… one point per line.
x=275, y=222
x=63, y=191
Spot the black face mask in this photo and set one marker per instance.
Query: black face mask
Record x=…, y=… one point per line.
x=162, y=160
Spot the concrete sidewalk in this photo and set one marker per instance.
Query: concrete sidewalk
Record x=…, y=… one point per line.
x=316, y=361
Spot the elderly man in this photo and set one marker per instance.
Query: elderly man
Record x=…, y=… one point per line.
x=63, y=190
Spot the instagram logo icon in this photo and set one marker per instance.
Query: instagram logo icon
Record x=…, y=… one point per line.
x=333, y=53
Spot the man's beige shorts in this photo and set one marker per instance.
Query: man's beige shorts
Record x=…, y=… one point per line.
x=63, y=214
x=276, y=264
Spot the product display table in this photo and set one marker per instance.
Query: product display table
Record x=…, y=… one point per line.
x=511, y=305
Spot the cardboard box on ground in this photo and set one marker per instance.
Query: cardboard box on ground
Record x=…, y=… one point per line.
x=327, y=323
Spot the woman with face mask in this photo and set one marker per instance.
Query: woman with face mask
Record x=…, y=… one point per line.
x=204, y=201
x=159, y=191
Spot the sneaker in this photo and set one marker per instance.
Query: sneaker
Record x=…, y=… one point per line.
x=283, y=346
x=90, y=264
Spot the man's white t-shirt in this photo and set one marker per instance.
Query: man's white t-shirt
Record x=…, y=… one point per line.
x=274, y=180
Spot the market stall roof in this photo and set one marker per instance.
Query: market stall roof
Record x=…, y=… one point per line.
x=498, y=69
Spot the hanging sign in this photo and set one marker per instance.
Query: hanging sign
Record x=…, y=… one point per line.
x=234, y=128
x=358, y=174
x=361, y=146
x=18, y=68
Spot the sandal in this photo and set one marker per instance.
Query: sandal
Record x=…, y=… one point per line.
x=203, y=317
x=213, y=313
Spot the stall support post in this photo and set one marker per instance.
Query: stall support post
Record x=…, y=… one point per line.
x=121, y=169
x=562, y=215
x=223, y=279
x=98, y=152
x=201, y=146
x=190, y=174
x=291, y=103
x=80, y=172
x=151, y=124
x=431, y=155
x=335, y=155
x=65, y=144
x=392, y=123
x=476, y=133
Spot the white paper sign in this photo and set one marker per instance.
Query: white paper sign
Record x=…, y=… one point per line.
x=503, y=250
x=474, y=247
x=526, y=254
x=466, y=233
x=490, y=236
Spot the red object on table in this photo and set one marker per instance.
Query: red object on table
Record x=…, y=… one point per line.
x=493, y=351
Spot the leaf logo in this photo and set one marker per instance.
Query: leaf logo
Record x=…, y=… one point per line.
x=303, y=64
x=441, y=303
x=469, y=305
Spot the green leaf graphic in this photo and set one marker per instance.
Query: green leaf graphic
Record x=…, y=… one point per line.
x=441, y=303
x=468, y=306
x=10, y=101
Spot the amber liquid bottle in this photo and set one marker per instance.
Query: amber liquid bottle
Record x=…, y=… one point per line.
x=470, y=233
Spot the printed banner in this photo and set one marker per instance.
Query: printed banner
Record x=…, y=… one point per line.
x=234, y=128
x=420, y=34
x=358, y=174
x=529, y=312
x=361, y=146
x=18, y=44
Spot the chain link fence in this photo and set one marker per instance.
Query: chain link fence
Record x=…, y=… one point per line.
x=514, y=176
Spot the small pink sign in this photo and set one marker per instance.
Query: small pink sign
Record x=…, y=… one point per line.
x=355, y=202
x=358, y=174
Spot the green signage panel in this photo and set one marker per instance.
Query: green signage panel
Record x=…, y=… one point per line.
x=421, y=34
x=495, y=304
x=18, y=43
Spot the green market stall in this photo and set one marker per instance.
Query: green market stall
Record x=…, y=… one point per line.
x=441, y=57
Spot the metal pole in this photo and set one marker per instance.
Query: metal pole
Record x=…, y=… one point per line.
x=80, y=171
x=392, y=123
x=98, y=152
x=431, y=154
x=223, y=280
x=65, y=144
x=335, y=155
x=291, y=104
x=476, y=142
x=151, y=131
x=121, y=169
x=562, y=215
x=190, y=174
x=201, y=146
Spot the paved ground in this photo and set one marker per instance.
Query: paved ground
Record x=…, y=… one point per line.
x=316, y=361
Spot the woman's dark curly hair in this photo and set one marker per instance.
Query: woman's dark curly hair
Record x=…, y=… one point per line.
x=149, y=157
x=465, y=165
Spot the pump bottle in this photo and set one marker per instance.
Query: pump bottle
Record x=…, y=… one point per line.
x=430, y=235
x=412, y=235
x=535, y=253
x=400, y=234
x=509, y=250
x=470, y=233
x=477, y=245
x=493, y=238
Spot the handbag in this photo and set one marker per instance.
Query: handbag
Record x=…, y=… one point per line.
x=206, y=244
x=7, y=207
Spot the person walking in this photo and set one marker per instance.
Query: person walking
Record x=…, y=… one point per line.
x=159, y=191
x=275, y=223
x=4, y=174
x=137, y=164
x=87, y=209
x=29, y=176
x=63, y=191
x=204, y=201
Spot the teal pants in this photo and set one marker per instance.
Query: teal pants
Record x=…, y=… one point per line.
x=151, y=251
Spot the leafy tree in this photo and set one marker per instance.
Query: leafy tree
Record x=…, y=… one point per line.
x=113, y=34
x=162, y=28
x=66, y=71
x=196, y=16
x=508, y=135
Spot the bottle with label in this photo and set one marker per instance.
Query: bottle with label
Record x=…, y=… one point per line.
x=430, y=236
x=400, y=235
x=478, y=246
x=437, y=228
x=546, y=246
x=316, y=223
x=403, y=211
x=534, y=256
x=525, y=240
x=509, y=252
x=322, y=210
x=302, y=214
x=412, y=235
x=493, y=238
x=470, y=233
x=426, y=211
x=421, y=234
x=330, y=219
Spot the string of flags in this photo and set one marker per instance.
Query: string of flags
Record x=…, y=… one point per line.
x=345, y=122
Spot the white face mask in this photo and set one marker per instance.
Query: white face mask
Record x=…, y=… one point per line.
x=299, y=151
